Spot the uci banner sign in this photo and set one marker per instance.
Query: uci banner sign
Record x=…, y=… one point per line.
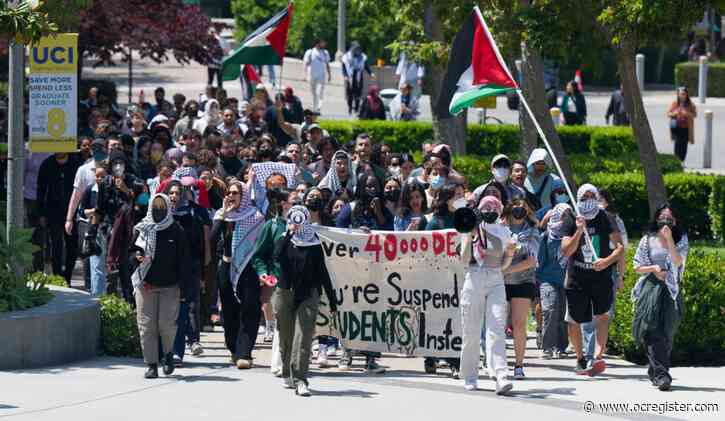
x=53, y=94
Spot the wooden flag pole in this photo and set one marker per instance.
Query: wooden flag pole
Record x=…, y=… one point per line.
x=558, y=167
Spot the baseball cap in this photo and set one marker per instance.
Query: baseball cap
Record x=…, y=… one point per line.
x=314, y=126
x=500, y=157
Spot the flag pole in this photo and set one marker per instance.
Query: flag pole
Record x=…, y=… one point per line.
x=556, y=164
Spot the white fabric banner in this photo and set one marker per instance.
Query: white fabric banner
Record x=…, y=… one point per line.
x=396, y=292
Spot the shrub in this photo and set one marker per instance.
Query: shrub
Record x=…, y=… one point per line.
x=687, y=74
x=717, y=209
x=19, y=292
x=689, y=195
x=700, y=338
x=119, y=331
x=487, y=139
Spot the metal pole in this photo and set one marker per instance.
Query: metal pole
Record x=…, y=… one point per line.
x=707, y=159
x=16, y=145
x=130, y=77
x=639, y=70
x=341, y=27
x=702, y=85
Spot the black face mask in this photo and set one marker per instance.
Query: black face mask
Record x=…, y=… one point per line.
x=489, y=217
x=315, y=205
x=392, y=195
x=518, y=212
x=665, y=222
x=158, y=214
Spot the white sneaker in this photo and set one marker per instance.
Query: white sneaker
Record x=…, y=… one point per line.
x=277, y=373
x=289, y=383
x=196, y=349
x=470, y=386
x=503, y=386
x=322, y=360
x=302, y=389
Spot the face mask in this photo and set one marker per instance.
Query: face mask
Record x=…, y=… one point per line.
x=99, y=156
x=392, y=195
x=588, y=208
x=436, y=182
x=315, y=205
x=158, y=214
x=143, y=199
x=489, y=217
x=561, y=198
x=501, y=174
x=182, y=147
x=665, y=222
x=394, y=171
x=118, y=169
x=460, y=203
x=518, y=212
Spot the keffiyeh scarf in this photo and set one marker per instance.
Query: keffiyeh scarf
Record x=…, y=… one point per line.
x=674, y=274
x=146, y=240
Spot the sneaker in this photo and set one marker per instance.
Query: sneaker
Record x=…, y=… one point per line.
x=598, y=366
x=322, y=361
x=152, y=372
x=302, y=389
x=233, y=360
x=277, y=373
x=455, y=373
x=178, y=362
x=244, y=364
x=664, y=384
x=519, y=373
x=196, y=349
x=470, y=386
x=539, y=339
x=503, y=386
x=331, y=351
x=547, y=354
x=581, y=367
x=268, y=336
x=288, y=383
x=430, y=365
x=372, y=367
x=345, y=362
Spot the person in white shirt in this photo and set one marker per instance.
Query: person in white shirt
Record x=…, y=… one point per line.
x=409, y=72
x=317, y=62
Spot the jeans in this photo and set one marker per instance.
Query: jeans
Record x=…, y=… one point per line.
x=483, y=294
x=214, y=71
x=553, y=309
x=98, y=268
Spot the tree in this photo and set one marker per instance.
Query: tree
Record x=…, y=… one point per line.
x=24, y=24
x=152, y=28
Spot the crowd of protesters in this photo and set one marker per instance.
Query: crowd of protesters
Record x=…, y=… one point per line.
x=203, y=213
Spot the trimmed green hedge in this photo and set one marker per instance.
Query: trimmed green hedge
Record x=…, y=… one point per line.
x=119, y=330
x=696, y=200
x=486, y=139
x=700, y=338
x=687, y=74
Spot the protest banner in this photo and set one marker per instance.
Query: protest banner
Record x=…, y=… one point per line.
x=396, y=292
x=53, y=94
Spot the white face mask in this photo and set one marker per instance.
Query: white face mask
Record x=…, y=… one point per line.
x=460, y=203
x=501, y=174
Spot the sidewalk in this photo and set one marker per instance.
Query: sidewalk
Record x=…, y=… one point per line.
x=208, y=387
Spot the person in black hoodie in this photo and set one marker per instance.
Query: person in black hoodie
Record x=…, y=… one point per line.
x=160, y=282
x=297, y=296
x=55, y=186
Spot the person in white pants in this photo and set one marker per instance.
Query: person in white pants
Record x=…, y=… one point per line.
x=487, y=251
x=317, y=72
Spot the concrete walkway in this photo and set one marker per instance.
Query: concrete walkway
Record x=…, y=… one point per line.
x=208, y=387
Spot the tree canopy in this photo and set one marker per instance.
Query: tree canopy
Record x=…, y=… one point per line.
x=25, y=23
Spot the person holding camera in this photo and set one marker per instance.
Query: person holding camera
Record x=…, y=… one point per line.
x=487, y=251
x=234, y=232
x=297, y=296
x=160, y=282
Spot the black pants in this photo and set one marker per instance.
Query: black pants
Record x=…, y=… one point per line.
x=681, y=137
x=211, y=73
x=241, y=320
x=64, y=250
x=659, y=348
x=353, y=92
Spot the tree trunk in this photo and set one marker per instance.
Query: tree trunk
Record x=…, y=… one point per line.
x=532, y=69
x=655, y=184
x=451, y=130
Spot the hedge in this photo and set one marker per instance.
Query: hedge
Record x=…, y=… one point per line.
x=119, y=330
x=486, y=139
x=687, y=74
x=700, y=338
x=696, y=199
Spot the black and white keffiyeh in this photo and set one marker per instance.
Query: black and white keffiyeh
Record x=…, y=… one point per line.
x=331, y=181
x=146, y=240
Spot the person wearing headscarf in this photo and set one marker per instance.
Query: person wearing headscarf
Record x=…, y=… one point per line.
x=297, y=296
x=550, y=273
x=196, y=222
x=593, y=245
x=660, y=260
x=540, y=180
x=212, y=116
x=160, y=282
x=372, y=107
x=340, y=176
x=354, y=62
x=486, y=251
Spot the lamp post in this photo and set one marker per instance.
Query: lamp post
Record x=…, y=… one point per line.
x=341, y=27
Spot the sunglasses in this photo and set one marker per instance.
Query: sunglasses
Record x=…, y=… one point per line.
x=233, y=193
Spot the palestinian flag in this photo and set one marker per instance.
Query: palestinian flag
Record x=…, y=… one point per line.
x=475, y=68
x=266, y=45
x=249, y=80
